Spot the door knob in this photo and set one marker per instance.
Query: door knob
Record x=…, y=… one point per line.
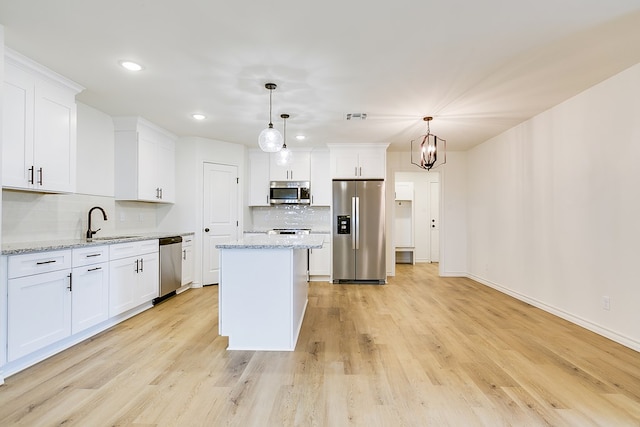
x=206, y=230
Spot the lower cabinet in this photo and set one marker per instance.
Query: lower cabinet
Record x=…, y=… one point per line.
x=187, y=260
x=320, y=259
x=133, y=280
x=39, y=312
x=55, y=298
x=89, y=296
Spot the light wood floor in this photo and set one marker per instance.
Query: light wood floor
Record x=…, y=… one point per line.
x=420, y=351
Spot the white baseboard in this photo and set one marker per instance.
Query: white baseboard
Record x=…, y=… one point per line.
x=587, y=324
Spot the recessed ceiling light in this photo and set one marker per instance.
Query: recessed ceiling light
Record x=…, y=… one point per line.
x=199, y=116
x=131, y=66
x=300, y=137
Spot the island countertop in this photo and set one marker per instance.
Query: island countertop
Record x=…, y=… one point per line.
x=275, y=241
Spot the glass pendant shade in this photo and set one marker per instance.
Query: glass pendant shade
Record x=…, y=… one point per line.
x=284, y=156
x=270, y=140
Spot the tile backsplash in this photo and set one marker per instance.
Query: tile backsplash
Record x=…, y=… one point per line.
x=28, y=216
x=317, y=218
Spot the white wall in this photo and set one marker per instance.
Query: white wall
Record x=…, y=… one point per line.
x=553, y=209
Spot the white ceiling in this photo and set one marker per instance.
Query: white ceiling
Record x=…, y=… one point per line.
x=478, y=67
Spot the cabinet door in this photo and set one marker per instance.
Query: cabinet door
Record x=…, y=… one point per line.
x=17, y=130
x=122, y=284
x=320, y=179
x=148, y=280
x=300, y=166
x=258, y=178
x=345, y=164
x=372, y=164
x=165, y=170
x=320, y=259
x=277, y=172
x=54, y=138
x=187, y=263
x=148, y=184
x=39, y=312
x=89, y=296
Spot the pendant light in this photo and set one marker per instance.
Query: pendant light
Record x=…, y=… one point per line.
x=270, y=139
x=432, y=149
x=284, y=156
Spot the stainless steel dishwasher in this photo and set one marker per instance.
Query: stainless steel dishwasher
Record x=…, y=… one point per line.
x=170, y=267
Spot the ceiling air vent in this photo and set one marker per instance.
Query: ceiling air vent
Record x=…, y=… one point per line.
x=356, y=116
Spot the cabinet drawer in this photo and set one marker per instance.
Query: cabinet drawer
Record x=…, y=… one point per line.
x=89, y=255
x=124, y=250
x=36, y=263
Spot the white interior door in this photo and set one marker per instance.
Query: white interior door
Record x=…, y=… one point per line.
x=220, y=216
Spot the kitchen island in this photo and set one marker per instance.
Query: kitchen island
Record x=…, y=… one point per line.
x=263, y=290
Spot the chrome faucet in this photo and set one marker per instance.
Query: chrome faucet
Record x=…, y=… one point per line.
x=90, y=232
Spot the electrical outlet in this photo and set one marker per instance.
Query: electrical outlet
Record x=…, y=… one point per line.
x=606, y=303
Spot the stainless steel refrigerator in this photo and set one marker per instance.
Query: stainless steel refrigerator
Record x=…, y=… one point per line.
x=358, y=232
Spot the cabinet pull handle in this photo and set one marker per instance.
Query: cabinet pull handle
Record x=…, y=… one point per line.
x=137, y=265
x=41, y=180
x=355, y=171
x=45, y=262
x=161, y=193
x=95, y=269
x=31, y=170
x=184, y=254
x=70, y=287
x=141, y=265
x=92, y=255
x=360, y=170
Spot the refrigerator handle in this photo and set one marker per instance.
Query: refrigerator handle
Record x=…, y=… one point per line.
x=356, y=225
x=353, y=222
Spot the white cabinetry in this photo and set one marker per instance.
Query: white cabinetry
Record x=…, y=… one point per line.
x=145, y=161
x=89, y=287
x=320, y=179
x=358, y=161
x=187, y=260
x=258, y=178
x=320, y=259
x=133, y=275
x=39, y=132
x=297, y=170
x=39, y=301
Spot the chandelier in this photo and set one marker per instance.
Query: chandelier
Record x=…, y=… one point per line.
x=432, y=150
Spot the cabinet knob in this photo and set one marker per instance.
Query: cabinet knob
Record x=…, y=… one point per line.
x=206, y=230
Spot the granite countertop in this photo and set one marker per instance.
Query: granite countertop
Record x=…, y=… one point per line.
x=54, y=245
x=275, y=241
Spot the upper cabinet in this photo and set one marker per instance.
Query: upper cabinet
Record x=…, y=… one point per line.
x=358, y=161
x=258, y=178
x=39, y=127
x=297, y=170
x=145, y=161
x=320, y=178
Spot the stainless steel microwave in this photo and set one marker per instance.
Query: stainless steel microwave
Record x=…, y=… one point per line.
x=289, y=192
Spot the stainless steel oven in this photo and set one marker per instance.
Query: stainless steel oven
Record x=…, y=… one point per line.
x=289, y=192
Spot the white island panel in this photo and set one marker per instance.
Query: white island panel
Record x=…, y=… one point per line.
x=263, y=297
